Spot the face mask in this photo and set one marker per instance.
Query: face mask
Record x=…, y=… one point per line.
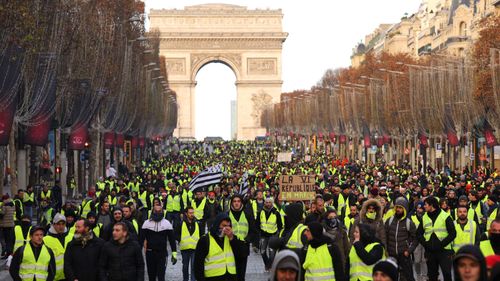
x=219, y=233
x=371, y=215
x=332, y=223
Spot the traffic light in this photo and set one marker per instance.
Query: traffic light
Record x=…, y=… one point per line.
x=58, y=170
x=86, y=152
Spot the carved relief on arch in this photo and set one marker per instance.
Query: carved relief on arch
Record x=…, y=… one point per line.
x=198, y=60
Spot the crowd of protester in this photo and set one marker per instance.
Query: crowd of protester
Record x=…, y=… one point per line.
x=367, y=221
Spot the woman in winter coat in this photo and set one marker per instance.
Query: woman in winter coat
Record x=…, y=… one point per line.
x=336, y=230
x=371, y=213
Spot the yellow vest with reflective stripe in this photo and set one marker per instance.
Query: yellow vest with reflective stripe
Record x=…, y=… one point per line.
x=20, y=239
x=240, y=228
x=186, y=197
x=58, y=249
x=415, y=220
x=467, y=236
x=318, y=264
x=219, y=261
x=270, y=225
x=198, y=210
x=295, y=240
x=486, y=248
x=173, y=203
x=358, y=269
x=86, y=208
x=31, y=268
x=439, y=227
x=188, y=241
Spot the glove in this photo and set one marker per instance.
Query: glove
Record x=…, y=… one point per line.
x=174, y=258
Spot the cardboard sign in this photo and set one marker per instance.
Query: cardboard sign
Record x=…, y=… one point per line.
x=297, y=188
x=284, y=157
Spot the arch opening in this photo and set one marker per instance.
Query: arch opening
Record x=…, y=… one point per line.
x=215, y=100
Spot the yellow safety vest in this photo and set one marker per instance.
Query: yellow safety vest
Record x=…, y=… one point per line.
x=318, y=264
x=198, y=210
x=97, y=230
x=358, y=269
x=348, y=222
x=20, y=239
x=32, y=268
x=188, y=241
x=415, y=220
x=486, y=248
x=219, y=261
x=439, y=227
x=29, y=197
x=186, y=197
x=240, y=228
x=112, y=201
x=86, y=208
x=55, y=245
x=173, y=203
x=491, y=218
x=270, y=225
x=467, y=236
x=44, y=195
x=295, y=240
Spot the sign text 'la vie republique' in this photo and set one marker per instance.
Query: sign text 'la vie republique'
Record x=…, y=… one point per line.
x=296, y=188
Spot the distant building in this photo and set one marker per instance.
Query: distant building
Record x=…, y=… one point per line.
x=447, y=27
x=234, y=121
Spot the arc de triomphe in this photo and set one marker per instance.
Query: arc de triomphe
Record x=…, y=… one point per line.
x=248, y=41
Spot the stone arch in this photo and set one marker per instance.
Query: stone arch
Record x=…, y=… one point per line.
x=229, y=62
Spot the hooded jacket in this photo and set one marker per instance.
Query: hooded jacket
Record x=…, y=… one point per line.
x=475, y=253
x=376, y=224
x=399, y=238
x=239, y=251
x=279, y=258
x=248, y=213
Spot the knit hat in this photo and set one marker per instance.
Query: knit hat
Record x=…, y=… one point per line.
x=389, y=267
x=58, y=218
x=463, y=198
x=316, y=229
x=35, y=228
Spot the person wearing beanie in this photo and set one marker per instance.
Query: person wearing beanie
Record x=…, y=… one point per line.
x=95, y=227
x=243, y=227
x=366, y=250
x=401, y=238
x=107, y=231
x=38, y=257
x=371, y=213
x=286, y=267
x=386, y=270
x=293, y=236
x=436, y=233
x=57, y=239
x=323, y=258
x=268, y=222
x=469, y=264
x=220, y=240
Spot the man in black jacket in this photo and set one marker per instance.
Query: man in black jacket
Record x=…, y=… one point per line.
x=154, y=235
x=221, y=232
x=121, y=259
x=435, y=233
x=82, y=254
x=107, y=232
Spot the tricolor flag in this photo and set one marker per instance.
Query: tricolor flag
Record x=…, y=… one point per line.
x=209, y=176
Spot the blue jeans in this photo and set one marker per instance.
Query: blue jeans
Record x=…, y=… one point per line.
x=187, y=257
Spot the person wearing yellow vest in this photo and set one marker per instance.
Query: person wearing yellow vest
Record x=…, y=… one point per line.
x=33, y=261
x=95, y=227
x=436, y=233
x=243, y=227
x=366, y=250
x=46, y=213
x=217, y=251
x=323, y=258
x=174, y=206
x=200, y=210
x=268, y=222
x=45, y=194
x=128, y=216
x=493, y=210
x=57, y=239
x=29, y=201
x=492, y=245
x=189, y=236
x=468, y=232
x=21, y=232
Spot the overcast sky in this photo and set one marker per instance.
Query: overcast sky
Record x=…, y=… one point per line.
x=322, y=35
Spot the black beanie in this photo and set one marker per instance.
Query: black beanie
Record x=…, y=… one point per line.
x=294, y=210
x=316, y=229
x=388, y=267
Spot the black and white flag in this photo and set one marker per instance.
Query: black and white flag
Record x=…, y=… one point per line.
x=209, y=176
x=244, y=184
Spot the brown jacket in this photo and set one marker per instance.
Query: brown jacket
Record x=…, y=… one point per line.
x=8, y=211
x=377, y=224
